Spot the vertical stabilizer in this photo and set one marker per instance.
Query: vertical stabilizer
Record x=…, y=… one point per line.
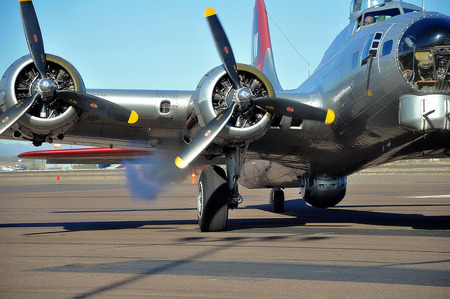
x=262, y=56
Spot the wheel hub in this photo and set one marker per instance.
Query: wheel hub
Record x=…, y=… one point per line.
x=200, y=200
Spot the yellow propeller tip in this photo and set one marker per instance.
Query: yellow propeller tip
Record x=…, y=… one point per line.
x=369, y=93
x=180, y=163
x=209, y=12
x=133, y=117
x=330, y=117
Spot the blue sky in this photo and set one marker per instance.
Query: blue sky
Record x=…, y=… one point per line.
x=142, y=44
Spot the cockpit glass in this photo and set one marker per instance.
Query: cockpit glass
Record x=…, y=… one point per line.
x=380, y=16
x=424, y=55
x=357, y=5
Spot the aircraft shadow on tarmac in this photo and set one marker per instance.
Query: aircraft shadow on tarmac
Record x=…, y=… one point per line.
x=302, y=214
x=305, y=214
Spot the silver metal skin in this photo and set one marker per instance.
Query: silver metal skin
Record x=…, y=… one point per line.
x=425, y=113
x=370, y=128
x=367, y=131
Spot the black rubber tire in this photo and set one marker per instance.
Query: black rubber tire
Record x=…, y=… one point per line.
x=212, y=200
x=278, y=201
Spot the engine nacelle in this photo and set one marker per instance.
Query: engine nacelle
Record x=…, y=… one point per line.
x=323, y=191
x=214, y=94
x=49, y=119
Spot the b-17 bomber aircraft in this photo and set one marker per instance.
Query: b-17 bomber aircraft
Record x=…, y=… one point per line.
x=381, y=93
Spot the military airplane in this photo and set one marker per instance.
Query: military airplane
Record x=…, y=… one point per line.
x=381, y=93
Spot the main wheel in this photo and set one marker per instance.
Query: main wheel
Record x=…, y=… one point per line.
x=212, y=199
x=277, y=198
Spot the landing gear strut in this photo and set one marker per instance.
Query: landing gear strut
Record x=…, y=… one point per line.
x=234, y=159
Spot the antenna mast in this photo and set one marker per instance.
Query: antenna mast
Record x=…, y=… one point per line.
x=301, y=56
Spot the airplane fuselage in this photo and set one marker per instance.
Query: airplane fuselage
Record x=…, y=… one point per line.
x=366, y=131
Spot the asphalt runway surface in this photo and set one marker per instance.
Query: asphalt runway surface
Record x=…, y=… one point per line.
x=87, y=238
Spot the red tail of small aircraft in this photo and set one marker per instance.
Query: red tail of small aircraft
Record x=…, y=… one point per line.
x=262, y=56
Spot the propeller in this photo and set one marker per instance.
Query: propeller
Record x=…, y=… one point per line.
x=13, y=114
x=33, y=36
x=98, y=106
x=295, y=109
x=204, y=138
x=242, y=99
x=46, y=88
x=223, y=47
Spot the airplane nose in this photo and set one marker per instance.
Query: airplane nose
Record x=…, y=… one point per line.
x=424, y=54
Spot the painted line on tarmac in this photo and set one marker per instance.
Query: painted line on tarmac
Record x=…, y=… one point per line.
x=429, y=196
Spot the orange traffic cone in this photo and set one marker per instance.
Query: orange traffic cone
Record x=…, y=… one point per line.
x=193, y=178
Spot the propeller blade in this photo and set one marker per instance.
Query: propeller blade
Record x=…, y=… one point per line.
x=10, y=116
x=33, y=35
x=223, y=47
x=295, y=109
x=98, y=106
x=204, y=138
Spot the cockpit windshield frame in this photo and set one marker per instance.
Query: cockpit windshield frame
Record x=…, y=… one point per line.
x=358, y=5
x=380, y=16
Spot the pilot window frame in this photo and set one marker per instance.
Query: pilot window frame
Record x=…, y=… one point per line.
x=357, y=25
x=379, y=16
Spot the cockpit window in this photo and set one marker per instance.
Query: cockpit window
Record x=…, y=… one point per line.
x=380, y=16
x=357, y=5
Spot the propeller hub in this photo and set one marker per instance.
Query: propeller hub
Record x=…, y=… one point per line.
x=243, y=97
x=46, y=88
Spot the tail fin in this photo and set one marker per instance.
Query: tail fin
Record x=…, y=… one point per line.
x=262, y=57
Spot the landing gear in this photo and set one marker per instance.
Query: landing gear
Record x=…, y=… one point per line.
x=217, y=191
x=277, y=199
x=212, y=200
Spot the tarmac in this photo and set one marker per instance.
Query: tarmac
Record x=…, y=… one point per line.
x=86, y=237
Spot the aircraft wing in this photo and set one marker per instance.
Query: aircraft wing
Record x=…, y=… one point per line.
x=86, y=155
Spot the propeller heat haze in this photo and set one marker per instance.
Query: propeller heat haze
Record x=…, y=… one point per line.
x=46, y=88
x=243, y=98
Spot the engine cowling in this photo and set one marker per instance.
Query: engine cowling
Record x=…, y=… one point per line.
x=47, y=119
x=214, y=94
